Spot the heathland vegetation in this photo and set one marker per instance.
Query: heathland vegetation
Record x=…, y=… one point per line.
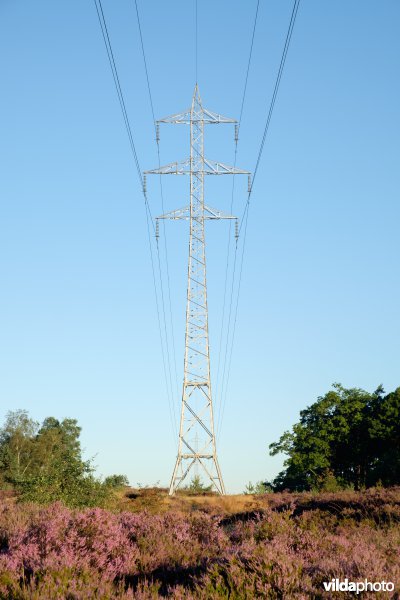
x=65, y=533
x=275, y=546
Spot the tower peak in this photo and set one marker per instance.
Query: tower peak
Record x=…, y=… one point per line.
x=196, y=95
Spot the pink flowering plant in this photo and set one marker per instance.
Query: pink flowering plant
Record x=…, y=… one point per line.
x=286, y=549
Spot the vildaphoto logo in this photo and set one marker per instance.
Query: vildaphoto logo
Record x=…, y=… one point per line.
x=336, y=585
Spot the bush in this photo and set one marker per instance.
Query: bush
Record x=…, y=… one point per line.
x=116, y=481
x=85, y=491
x=196, y=486
x=261, y=487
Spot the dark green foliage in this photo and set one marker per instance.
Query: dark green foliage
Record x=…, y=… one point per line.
x=384, y=432
x=75, y=492
x=44, y=463
x=348, y=438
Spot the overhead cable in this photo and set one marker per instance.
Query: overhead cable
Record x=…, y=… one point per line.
x=149, y=217
x=164, y=231
x=114, y=71
x=229, y=237
x=274, y=96
x=244, y=219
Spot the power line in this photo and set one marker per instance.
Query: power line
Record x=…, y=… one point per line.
x=244, y=220
x=196, y=38
x=230, y=231
x=248, y=64
x=149, y=218
x=170, y=405
x=164, y=228
x=246, y=210
x=110, y=54
x=234, y=324
x=277, y=82
x=145, y=62
x=274, y=95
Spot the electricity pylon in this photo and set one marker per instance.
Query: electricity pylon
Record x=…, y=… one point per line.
x=196, y=444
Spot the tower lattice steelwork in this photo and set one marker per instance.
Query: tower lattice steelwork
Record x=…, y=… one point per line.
x=196, y=442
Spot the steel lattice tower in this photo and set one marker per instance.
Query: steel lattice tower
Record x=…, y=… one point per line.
x=196, y=434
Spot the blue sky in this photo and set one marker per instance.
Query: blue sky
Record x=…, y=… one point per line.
x=320, y=288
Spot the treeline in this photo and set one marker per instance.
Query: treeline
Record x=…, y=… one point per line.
x=43, y=463
x=348, y=438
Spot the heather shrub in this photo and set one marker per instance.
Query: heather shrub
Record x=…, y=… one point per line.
x=56, y=538
x=286, y=550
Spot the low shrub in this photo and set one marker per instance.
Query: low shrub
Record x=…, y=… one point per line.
x=286, y=550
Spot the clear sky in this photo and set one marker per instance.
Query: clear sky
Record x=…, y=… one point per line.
x=320, y=290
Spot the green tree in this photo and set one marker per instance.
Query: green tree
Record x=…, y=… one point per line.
x=44, y=463
x=384, y=434
x=349, y=437
x=196, y=486
x=261, y=487
x=58, y=448
x=60, y=472
x=116, y=481
x=17, y=446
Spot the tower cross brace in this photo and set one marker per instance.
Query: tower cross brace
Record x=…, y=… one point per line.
x=196, y=443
